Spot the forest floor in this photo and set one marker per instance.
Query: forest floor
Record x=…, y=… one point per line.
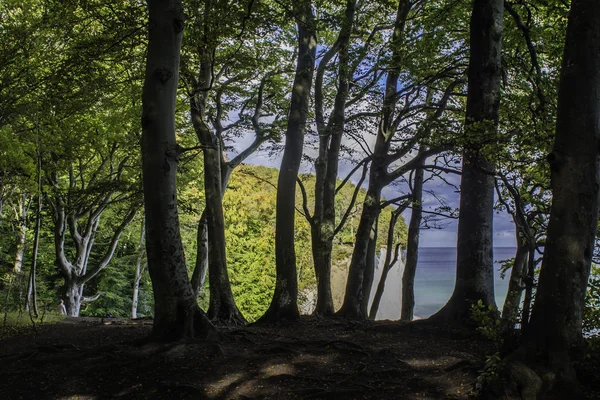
x=90, y=358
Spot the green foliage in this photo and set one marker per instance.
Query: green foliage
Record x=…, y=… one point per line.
x=490, y=327
x=487, y=322
x=249, y=210
x=488, y=374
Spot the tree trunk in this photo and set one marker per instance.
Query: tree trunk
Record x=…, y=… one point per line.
x=353, y=298
x=378, y=176
x=139, y=270
x=388, y=262
x=201, y=268
x=176, y=314
x=326, y=169
x=73, y=296
x=284, y=304
x=222, y=307
x=31, y=300
x=554, y=335
x=510, y=310
x=321, y=251
x=369, y=274
x=412, y=248
x=529, y=284
x=21, y=216
x=474, y=264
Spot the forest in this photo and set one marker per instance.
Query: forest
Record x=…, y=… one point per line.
x=209, y=196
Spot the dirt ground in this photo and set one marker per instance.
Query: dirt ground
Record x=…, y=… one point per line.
x=309, y=359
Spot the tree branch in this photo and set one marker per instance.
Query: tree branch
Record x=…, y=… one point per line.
x=307, y=215
x=353, y=200
x=112, y=246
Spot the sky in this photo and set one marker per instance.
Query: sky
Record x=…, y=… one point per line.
x=443, y=236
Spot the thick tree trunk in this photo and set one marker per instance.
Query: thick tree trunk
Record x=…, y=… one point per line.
x=139, y=270
x=474, y=264
x=510, y=310
x=222, y=306
x=73, y=296
x=412, y=248
x=554, y=335
x=176, y=314
x=321, y=250
x=284, y=304
x=353, y=298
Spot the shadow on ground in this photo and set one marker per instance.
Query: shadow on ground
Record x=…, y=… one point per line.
x=309, y=359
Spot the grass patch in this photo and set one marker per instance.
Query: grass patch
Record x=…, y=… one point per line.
x=14, y=324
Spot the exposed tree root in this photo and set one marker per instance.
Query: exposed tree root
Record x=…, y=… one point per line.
x=521, y=377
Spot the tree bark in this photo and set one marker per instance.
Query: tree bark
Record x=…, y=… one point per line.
x=369, y=274
x=176, y=313
x=139, y=269
x=326, y=166
x=201, y=267
x=554, y=336
x=21, y=211
x=529, y=284
x=284, y=304
x=222, y=307
x=412, y=248
x=474, y=269
x=510, y=310
x=353, y=298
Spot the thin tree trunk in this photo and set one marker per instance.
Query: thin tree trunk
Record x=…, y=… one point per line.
x=388, y=262
x=201, y=267
x=412, y=248
x=284, y=304
x=369, y=275
x=554, y=336
x=222, y=307
x=326, y=167
x=529, y=285
x=474, y=265
x=510, y=310
x=176, y=313
x=139, y=269
x=353, y=298
x=21, y=210
x=31, y=300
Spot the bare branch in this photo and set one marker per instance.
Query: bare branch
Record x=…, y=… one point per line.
x=347, y=178
x=353, y=200
x=92, y=298
x=306, y=214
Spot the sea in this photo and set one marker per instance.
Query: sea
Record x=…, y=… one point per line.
x=436, y=272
